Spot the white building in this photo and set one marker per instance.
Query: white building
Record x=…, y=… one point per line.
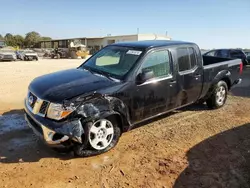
x=96, y=43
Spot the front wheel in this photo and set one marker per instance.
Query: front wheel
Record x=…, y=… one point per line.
x=101, y=136
x=219, y=95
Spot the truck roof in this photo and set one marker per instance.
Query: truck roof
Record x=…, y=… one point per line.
x=150, y=43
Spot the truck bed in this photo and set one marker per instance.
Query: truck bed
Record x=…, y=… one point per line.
x=209, y=60
x=212, y=68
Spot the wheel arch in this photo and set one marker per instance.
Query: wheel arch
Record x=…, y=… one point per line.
x=118, y=118
x=223, y=76
x=101, y=106
x=220, y=77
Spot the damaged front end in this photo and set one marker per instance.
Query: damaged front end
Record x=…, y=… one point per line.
x=70, y=129
x=55, y=134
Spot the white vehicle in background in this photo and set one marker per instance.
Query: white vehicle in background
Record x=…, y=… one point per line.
x=6, y=55
x=27, y=55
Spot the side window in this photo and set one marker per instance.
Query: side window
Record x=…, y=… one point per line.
x=192, y=57
x=212, y=53
x=236, y=54
x=186, y=59
x=222, y=53
x=158, y=62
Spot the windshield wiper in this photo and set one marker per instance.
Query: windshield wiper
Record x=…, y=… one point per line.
x=88, y=69
x=93, y=71
x=107, y=75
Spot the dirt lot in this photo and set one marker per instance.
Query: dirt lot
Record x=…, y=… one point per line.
x=192, y=147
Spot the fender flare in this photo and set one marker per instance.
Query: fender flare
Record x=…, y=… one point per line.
x=103, y=106
x=221, y=76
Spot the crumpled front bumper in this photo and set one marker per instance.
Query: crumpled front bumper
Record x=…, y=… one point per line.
x=52, y=132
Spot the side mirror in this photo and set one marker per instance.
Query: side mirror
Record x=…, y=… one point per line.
x=144, y=76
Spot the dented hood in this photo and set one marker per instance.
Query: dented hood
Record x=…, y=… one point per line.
x=58, y=86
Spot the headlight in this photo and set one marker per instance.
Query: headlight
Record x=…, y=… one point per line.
x=57, y=111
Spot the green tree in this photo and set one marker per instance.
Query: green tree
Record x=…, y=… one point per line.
x=18, y=40
x=46, y=38
x=1, y=37
x=32, y=38
x=9, y=39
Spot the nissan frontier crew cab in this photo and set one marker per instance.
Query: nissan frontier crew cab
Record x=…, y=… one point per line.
x=86, y=109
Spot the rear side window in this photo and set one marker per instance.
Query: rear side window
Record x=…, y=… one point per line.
x=236, y=54
x=186, y=59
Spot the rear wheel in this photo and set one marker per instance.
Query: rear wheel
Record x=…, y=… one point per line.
x=219, y=95
x=101, y=136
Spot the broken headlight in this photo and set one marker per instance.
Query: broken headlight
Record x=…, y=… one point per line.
x=58, y=111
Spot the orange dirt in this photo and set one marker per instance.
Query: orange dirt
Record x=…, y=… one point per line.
x=192, y=147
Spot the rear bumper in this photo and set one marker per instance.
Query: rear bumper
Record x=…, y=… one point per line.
x=54, y=134
x=238, y=81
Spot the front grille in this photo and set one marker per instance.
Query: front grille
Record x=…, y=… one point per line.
x=44, y=107
x=32, y=99
x=8, y=57
x=37, y=105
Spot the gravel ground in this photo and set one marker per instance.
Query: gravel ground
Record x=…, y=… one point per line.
x=191, y=147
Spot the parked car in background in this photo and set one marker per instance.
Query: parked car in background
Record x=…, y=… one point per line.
x=27, y=55
x=6, y=55
x=247, y=53
x=229, y=53
x=87, y=108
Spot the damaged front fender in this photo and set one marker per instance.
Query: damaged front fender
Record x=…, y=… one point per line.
x=100, y=106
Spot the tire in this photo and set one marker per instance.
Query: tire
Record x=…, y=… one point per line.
x=89, y=148
x=219, y=95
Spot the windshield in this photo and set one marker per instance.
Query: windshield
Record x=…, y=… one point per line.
x=116, y=61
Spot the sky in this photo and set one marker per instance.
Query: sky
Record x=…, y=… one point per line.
x=209, y=23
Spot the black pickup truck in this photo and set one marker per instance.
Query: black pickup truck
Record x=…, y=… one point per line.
x=86, y=109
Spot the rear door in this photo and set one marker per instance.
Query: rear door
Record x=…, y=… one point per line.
x=189, y=77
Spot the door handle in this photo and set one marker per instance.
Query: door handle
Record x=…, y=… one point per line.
x=172, y=81
x=197, y=76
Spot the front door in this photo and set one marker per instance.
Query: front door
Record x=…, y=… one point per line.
x=189, y=78
x=157, y=94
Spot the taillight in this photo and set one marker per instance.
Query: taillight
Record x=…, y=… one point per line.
x=241, y=68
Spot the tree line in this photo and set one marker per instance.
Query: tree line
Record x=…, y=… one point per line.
x=29, y=40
